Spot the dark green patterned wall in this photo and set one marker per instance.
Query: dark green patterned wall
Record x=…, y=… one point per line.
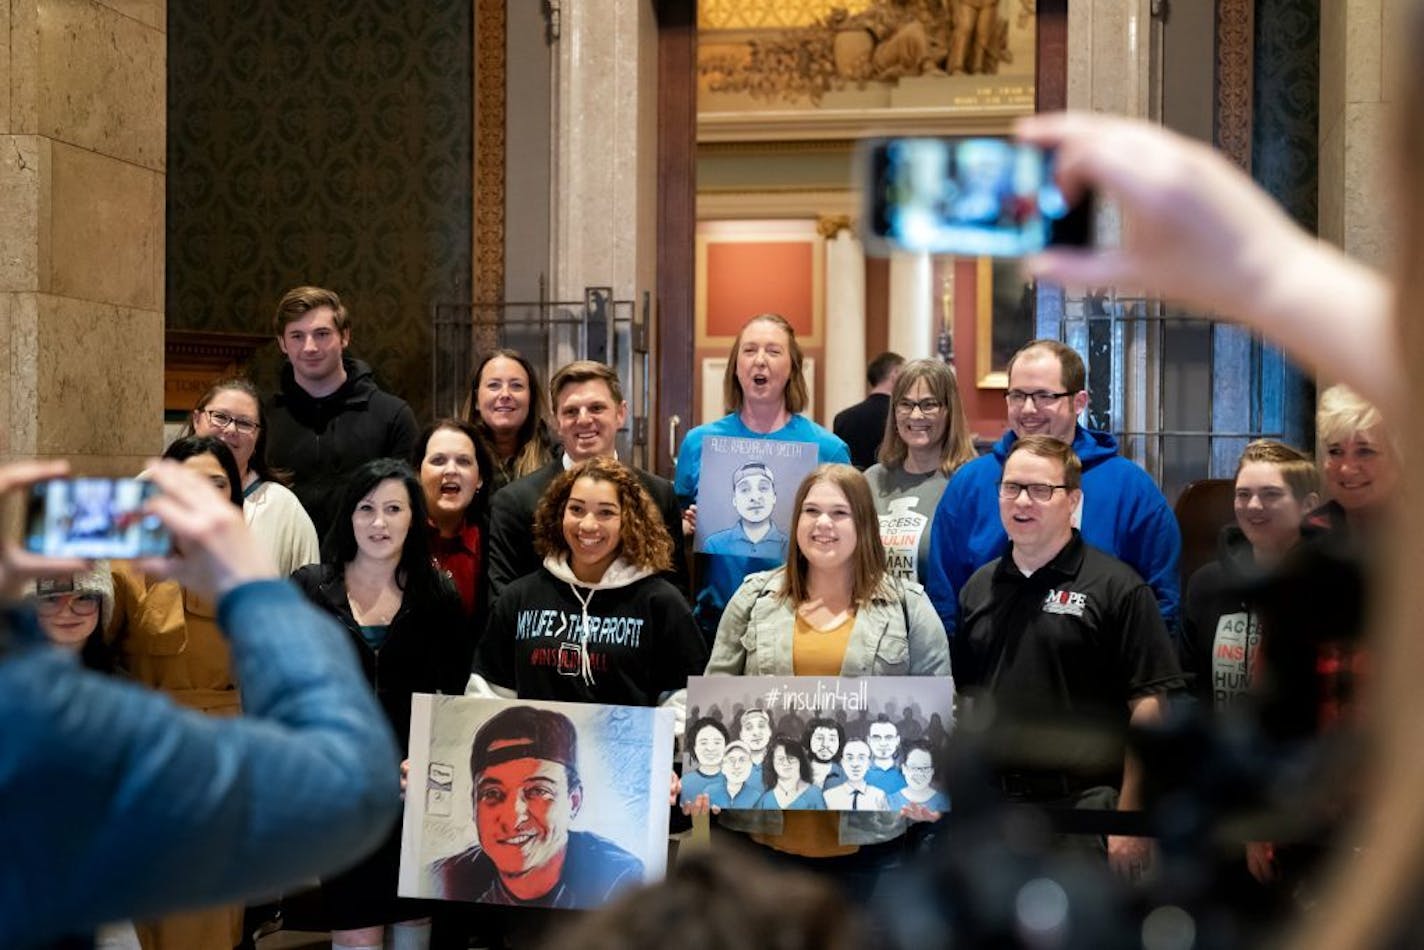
x=1285, y=145
x=321, y=142
x=1285, y=160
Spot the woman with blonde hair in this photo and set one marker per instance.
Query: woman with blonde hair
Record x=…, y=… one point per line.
x=926, y=438
x=764, y=391
x=832, y=610
x=1359, y=460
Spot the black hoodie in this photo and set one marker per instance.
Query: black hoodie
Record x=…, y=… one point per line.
x=322, y=440
x=1221, y=632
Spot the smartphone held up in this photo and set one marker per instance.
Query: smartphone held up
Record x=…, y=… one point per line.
x=94, y=518
x=972, y=197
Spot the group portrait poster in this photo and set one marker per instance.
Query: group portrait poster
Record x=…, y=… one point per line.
x=813, y=743
x=745, y=492
x=527, y=803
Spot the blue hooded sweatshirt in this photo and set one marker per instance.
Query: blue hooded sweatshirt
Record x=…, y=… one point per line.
x=1123, y=514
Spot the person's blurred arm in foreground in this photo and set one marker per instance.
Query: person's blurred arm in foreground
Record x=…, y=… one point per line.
x=115, y=803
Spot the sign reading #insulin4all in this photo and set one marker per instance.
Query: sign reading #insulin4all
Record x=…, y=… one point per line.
x=809, y=743
x=521, y=802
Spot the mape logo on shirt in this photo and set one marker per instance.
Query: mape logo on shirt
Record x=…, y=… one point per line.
x=1065, y=602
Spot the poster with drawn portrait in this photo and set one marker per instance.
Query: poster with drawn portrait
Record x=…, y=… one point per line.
x=811, y=743
x=745, y=493
x=519, y=802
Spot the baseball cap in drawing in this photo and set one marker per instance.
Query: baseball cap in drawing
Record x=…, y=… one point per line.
x=748, y=469
x=525, y=732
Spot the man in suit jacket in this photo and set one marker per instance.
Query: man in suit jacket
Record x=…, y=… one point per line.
x=589, y=410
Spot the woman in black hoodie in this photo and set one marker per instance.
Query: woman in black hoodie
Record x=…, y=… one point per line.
x=406, y=622
x=595, y=623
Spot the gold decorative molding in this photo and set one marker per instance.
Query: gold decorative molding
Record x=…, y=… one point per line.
x=829, y=225
x=1235, y=61
x=489, y=146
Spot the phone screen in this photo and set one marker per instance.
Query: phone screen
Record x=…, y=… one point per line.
x=975, y=197
x=94, y=518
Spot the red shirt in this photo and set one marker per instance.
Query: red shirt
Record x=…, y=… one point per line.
x=461, y=557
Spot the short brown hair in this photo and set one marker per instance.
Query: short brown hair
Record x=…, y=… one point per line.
x=296, y=303
x=583, y=371
x=956, y=446
x=796, y=398
x=1047, y=447
x=1297, y=469
x=869, y=551
x=1072, y=371
x=642, y=538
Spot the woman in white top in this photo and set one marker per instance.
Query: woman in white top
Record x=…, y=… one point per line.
x=231, y=410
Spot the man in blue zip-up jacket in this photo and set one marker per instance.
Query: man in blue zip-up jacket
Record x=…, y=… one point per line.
x=1123, y=511
x=115, y=803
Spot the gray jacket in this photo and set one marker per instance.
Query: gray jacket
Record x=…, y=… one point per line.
x=897, y=633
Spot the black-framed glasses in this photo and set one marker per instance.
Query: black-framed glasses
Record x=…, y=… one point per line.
x=928, y=407
x=222, y=420
x=82, y=604
x=1043, y=399
x=1038, y=491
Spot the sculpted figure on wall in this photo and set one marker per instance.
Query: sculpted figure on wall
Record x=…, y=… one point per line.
x=887, y=41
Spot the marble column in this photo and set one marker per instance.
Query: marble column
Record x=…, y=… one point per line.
x=845, y=355
x=604, y=149
x=1356, y=73
x=82, y=231
x=912, y=299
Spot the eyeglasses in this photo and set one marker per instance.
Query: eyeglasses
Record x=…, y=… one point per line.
x=928, y=407
x=222, y=420
x=1010, y=491
x=82, y=604
x=1044, y=400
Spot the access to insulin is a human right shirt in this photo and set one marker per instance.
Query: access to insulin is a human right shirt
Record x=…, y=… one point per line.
x=723, y=574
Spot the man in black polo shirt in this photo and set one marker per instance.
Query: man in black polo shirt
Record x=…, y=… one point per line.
x=1069, y=644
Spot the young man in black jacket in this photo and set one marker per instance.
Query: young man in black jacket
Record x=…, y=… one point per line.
x=328, y=416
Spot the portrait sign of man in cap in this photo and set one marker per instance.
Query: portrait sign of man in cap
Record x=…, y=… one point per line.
x=527, y=793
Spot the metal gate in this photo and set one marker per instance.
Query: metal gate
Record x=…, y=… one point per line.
x=550, y=334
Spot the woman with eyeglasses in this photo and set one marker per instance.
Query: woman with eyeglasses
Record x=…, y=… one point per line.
x=231, y=411
x=167, y=638
x=73, y=612
x=926, y=438
x=404, y=620
x=832, y=610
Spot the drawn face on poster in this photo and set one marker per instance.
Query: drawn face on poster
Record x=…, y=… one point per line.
x=838, y=758
x=744, y=495
x=560, y=802
x=756, y=732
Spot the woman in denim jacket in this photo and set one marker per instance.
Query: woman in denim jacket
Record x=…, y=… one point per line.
x=831, y=611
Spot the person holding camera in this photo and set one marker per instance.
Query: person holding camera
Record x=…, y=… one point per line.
x=118, y=805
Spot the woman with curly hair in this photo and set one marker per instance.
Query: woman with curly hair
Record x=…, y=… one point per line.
x=595, y=623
